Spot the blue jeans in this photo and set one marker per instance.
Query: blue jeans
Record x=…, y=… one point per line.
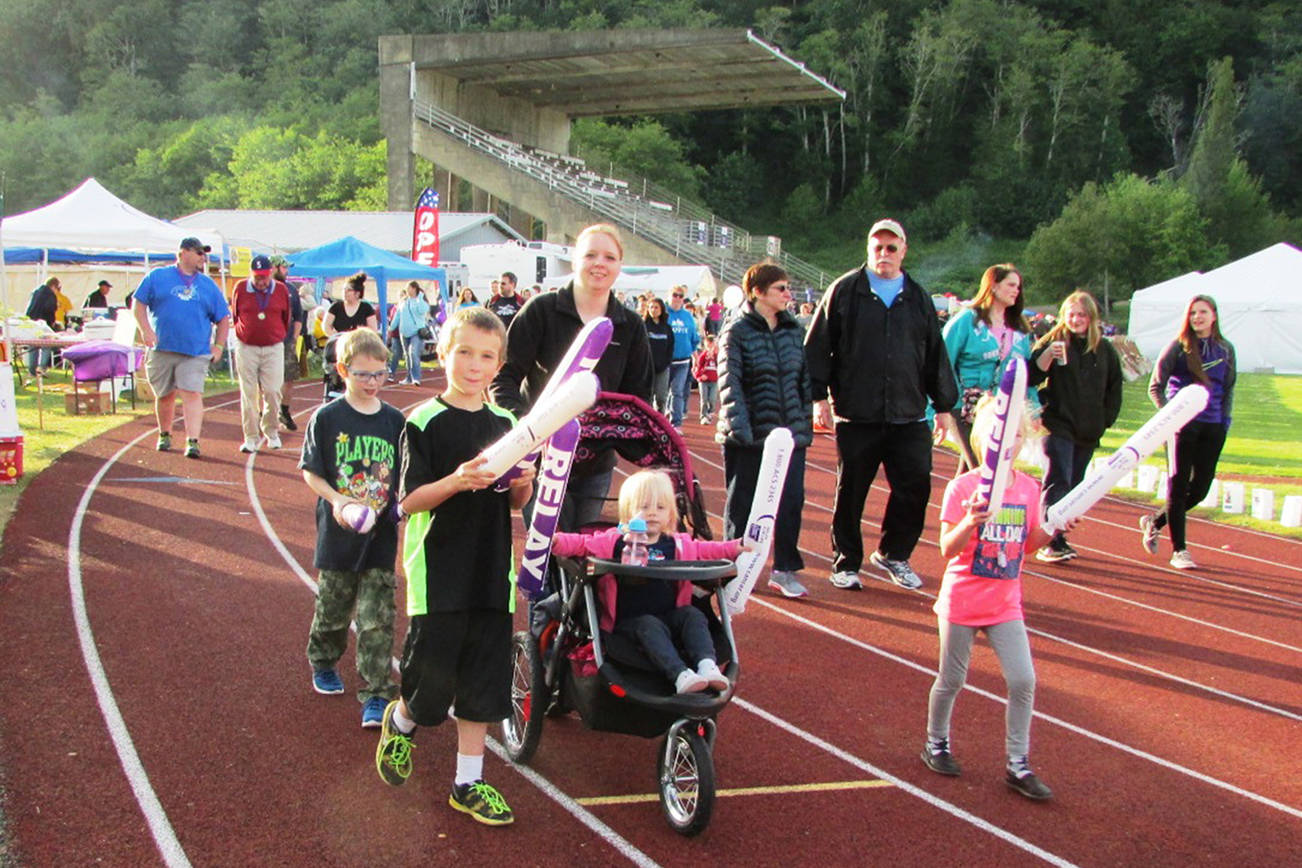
x=679, y=369
x=1068, y=462
x=660, y=637
x=39, y=357
x=709, y=396
x=395, y=355
x=412, y=347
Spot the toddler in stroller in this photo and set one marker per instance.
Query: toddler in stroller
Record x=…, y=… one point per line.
x=655, y=614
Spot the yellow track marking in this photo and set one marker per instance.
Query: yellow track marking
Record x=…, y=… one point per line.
x=742, y=791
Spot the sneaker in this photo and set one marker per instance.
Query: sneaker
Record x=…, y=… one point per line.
x=1182, y=560
x=846, y=580
x=164, y=442
x=373, y=712
x=1023, y=781
x=273, y=442
x=287, y=420
x=899, y=571
x=785, y=583
x=482, y=802
x=1052, y=554
x=249, y=446
x=393, y=753
x=192, y=448
x=327, y=681
x=1149, y=532
x=689, y=682
x=938, y=758
x=714, y=679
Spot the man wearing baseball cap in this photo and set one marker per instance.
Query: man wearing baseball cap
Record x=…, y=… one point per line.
x=874, y=345
x=99, y=298
x=179, y=306
x=262, y=315
x=280, y=272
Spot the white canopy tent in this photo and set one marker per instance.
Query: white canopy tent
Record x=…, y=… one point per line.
x=91, y=219
x=660, y=279
x=1260, y=302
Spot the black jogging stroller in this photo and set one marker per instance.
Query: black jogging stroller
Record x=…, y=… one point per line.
x=565, y=663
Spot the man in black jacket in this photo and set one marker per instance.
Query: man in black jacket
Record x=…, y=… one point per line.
x=875, y=345
x=43, y=306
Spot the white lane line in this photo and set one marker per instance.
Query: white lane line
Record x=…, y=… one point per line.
x=169, y=846
x=917, y=792
x=587, y=818
x=1057, y=721
x=1031, y=571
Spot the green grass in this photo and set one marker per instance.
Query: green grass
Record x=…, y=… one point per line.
x=49, y=432
x=1265, y=439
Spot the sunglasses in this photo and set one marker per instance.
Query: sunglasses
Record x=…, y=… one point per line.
x=888, y=248
x=780, y=287
x=680, y=295
x=367, y=376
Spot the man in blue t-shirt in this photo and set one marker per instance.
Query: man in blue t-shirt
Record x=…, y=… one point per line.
x=179, y=305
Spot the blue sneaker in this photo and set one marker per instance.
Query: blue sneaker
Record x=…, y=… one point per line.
x=327, y=681
x=373, y=712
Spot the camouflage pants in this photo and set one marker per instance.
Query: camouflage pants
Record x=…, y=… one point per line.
x=372, y=591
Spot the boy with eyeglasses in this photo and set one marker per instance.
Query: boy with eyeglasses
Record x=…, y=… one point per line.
x=350, y=456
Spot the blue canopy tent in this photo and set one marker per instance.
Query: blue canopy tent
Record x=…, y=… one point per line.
x=348, y=255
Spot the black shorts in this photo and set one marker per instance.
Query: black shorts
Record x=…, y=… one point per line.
x=458, y=657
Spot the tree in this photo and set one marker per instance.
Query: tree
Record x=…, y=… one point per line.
x=1238, y=212
x=1123, y=235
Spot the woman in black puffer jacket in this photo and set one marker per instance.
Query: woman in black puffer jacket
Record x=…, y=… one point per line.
x=764, y=384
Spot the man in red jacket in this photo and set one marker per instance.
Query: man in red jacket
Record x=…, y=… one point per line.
x=261, y=309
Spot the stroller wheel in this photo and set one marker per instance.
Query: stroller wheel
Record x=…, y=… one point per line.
x=522, y=731
x=686, y=771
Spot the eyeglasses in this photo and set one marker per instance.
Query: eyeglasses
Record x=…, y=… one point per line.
x=886, y=248
x=367, y=376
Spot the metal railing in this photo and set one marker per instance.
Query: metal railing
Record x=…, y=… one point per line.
x=687, y=229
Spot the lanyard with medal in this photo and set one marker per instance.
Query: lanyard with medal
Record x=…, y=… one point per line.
x=263, y=298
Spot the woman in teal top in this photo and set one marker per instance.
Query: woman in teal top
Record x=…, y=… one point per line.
x=980, y=339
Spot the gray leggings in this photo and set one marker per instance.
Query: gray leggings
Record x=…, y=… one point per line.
x=1014, y=652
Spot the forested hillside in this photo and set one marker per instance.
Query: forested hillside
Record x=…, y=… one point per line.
x=1139, y=136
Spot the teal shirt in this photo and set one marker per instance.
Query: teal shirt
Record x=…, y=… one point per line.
x=974, y=353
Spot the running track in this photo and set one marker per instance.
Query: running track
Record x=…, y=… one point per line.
x=155, y=705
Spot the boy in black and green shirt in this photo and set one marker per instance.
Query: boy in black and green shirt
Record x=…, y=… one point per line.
x=458, y=559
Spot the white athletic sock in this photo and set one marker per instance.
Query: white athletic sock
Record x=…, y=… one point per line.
x=400, y=720
x=469, y=769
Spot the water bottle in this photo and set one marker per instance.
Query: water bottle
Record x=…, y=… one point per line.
x=635, y=550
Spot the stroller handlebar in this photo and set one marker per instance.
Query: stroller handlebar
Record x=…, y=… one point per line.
x=670, y=571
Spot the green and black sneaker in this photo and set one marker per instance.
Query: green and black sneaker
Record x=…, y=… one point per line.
x=164, y=441
x=393, y=753
x=482, y=802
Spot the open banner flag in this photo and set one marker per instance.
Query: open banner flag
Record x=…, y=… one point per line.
x=425, y=231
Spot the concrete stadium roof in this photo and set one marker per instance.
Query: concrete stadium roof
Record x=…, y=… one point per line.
x=292, y=231
x=613, y=72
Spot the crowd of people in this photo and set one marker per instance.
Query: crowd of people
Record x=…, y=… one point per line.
x=870, y=363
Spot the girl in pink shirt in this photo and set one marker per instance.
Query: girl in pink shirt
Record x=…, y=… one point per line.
x=982, y=591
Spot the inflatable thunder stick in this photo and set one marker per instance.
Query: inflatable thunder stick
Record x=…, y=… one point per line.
x=1010, y=401
x=1183, y=406
x=759, y=524
x=578, y=393
x=584, y=353
x=558, y=457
